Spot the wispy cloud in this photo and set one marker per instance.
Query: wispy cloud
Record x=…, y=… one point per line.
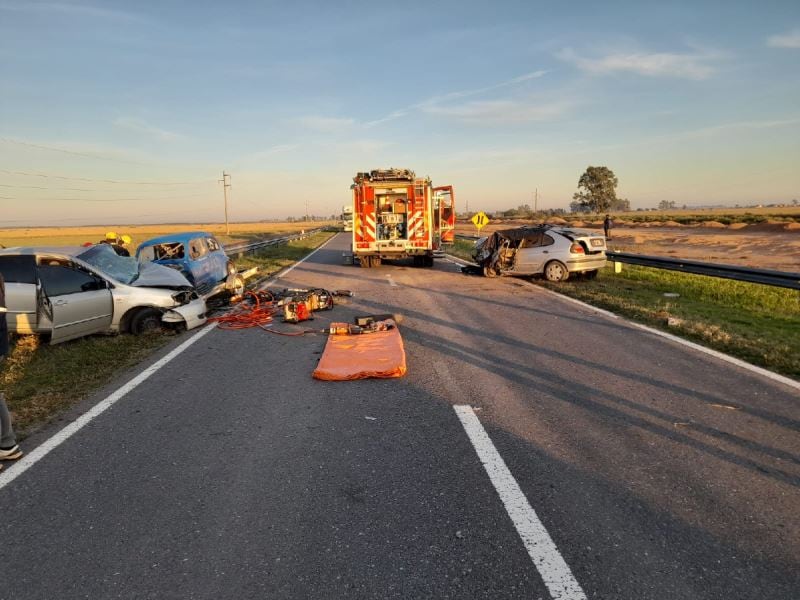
x=140, y=126
x=65, y=8
x=790, y=39
x=500, y=111
x=430, y=104
x=659, y=64
x=325, y=124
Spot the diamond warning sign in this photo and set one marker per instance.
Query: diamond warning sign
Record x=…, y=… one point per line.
x=480, y=219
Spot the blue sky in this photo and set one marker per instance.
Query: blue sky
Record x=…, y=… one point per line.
x=116, y=112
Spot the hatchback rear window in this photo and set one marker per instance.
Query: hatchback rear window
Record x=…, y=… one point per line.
x=18, y=269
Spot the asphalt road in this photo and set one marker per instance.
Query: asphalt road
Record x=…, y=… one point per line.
x=658, y=471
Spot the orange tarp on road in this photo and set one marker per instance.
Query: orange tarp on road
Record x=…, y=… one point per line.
x=346, y=357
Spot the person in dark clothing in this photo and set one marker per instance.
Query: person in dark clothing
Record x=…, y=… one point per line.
x=9, y=450
x=607, y=226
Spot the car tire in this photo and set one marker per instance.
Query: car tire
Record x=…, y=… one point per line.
x=146, y=320
x=556, y=271
x=488, y=271
x=590, y=274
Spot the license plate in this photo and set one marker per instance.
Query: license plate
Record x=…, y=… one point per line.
x=597, y=242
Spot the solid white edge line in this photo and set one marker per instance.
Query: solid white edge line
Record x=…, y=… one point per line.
x=700, y=348
x=679, y=340
x=43, y=449
x=305, y=258
x=552, y=567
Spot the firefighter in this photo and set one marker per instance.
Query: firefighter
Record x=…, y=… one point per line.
x=111, y=238
x=120, y=246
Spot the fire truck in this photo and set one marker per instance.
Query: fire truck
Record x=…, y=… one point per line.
x=399, y=215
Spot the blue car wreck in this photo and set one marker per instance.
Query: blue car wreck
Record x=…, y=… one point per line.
x=199, y=256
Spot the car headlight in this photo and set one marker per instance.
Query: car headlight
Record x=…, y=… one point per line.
x=183, y=297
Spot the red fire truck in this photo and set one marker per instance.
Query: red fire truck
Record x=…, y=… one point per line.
x=399, y=215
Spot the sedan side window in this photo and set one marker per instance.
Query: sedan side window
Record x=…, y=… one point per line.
x=213, y=246
x=547, y=240
x=532, y=241
x=59, y=278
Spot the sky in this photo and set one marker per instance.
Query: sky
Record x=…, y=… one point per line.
x=129, y=112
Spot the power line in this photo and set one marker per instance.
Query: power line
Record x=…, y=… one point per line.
x=118, y=181
x=136, y=199
x=70, y=152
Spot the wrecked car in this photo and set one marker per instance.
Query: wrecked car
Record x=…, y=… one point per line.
x=199, y=257
x=553, y=252
x=67, y=293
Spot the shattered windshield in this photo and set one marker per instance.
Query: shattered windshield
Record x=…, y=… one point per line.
x=102, y=256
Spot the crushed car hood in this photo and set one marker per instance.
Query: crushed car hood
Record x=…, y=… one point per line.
x=153, y=275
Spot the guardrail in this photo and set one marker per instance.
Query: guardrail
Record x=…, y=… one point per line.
x=244, y=247
x=763, y=276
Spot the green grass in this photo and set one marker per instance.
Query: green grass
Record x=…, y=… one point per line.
x=462, y=249
x=757, y=323
x=42, y=381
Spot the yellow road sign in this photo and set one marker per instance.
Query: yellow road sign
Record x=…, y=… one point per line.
x=480, y=219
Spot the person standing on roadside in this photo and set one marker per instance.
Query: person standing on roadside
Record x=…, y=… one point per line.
x=121, y=245
x=9, y=450
x=607, y=227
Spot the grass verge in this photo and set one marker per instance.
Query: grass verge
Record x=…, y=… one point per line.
x=757, y=323
x=42, y=381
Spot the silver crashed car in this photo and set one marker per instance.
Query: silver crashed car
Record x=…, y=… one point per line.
x=69, y=292
x=554, y=252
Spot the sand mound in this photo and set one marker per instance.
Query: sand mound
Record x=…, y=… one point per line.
x=556, y=221
x=713, y=225
x=577, y=224
x=737, y=225
x=671, y=224
x=792, y=226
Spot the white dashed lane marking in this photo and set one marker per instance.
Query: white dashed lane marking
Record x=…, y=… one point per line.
x=554, y=570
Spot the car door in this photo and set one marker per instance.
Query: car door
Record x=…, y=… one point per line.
x=534, y=253
x=201, y=265
x=22, y=292
x=79, y=302
x=218, y=257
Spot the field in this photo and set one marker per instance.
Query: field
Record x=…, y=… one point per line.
x=76, y=236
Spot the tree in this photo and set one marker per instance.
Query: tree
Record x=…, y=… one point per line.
x=666, y=205
x=597, y=189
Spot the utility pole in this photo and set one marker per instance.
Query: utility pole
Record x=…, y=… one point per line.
x=536, y=201
x=306, y=210
x=226, y=183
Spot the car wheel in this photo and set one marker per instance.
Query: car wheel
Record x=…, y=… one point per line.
x=488, y=271
x=591, y=274
x=146, y=320
x=556, y=271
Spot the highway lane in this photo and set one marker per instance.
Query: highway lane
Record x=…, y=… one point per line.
x=659, y=472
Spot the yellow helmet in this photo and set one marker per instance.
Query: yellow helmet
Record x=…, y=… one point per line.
x=126, y=239
x=111, y=235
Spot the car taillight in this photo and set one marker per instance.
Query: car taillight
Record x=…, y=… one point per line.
x=576, y=248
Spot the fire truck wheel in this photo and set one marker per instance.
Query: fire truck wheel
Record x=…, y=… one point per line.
x=365, y=261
